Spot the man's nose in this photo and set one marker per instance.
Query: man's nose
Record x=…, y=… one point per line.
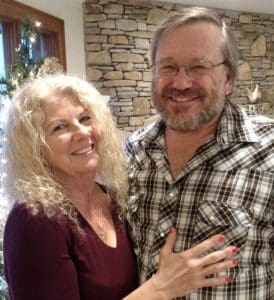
x=181, y=80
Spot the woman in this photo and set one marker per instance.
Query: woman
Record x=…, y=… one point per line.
x=65, y=237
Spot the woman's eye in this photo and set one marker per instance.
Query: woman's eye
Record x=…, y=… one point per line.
x=58, y=127
x=85, y=118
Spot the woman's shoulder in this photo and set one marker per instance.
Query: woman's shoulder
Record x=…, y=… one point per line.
x=25, y=218
x=33, y=212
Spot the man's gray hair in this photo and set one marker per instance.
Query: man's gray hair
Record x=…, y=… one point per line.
x=196, y=15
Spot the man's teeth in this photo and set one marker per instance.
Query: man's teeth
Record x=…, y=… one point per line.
x=84, y=150
x=181, y=99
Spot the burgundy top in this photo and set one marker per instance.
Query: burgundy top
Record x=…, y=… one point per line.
x=49, y=259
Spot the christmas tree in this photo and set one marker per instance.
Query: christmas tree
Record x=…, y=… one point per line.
x=26, y=66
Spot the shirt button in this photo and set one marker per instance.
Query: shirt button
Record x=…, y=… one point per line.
x=171, y=194
x=162, y=234
x=212, y=218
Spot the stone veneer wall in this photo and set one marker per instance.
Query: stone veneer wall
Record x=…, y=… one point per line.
x=117, y=43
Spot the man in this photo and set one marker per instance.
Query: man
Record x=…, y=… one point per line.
x=205, y=166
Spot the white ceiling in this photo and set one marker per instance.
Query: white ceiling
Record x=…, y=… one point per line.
x=260, y=6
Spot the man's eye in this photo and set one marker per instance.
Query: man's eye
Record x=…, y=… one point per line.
x=168, y=68
x=198, y=67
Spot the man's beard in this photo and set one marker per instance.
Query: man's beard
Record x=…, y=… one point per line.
x=174, y=118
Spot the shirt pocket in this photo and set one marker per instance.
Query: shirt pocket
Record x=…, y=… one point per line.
x=216, y=218
x=238, y=204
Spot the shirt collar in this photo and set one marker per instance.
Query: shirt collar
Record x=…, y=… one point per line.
x=149, y=133
x=235, y=126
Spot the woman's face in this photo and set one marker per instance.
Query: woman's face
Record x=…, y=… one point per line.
x=72, y=137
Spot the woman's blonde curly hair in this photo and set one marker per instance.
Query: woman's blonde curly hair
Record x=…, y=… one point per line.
x=30, y=178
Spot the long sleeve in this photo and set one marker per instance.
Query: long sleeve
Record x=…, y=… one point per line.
x=38, y=258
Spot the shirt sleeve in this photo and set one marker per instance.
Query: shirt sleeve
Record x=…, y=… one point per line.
x=37, y=258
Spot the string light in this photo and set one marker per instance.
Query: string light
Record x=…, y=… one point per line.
x=4, y=107
x=32, y=39
x=4, y=205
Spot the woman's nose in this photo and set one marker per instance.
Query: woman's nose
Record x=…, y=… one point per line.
x=81, y=131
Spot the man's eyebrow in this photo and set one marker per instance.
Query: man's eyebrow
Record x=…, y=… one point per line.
x=165, y=59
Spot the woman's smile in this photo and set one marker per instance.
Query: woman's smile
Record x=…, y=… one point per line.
x=86, y=150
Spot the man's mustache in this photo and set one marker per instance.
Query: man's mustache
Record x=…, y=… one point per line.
x=187, y=93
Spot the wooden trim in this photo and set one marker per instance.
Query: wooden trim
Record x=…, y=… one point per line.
x=13, y=10
x=11, y=37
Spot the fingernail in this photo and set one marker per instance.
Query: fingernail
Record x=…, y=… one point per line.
x=234, y=262
x=221, y=238
x=171, y=229
x=234, y=250
x=228, y=279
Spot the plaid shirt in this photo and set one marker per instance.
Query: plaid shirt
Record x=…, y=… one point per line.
x=227, y=187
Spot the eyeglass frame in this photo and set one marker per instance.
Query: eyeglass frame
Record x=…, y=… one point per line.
x=187, y=69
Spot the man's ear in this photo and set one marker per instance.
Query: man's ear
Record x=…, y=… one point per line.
x=229, y=84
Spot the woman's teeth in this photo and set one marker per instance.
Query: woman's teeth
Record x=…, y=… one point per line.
x=84, y=150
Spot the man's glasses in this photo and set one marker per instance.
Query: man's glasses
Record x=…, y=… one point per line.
x=196, y=70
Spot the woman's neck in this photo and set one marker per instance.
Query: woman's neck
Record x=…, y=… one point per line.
x=86, y=197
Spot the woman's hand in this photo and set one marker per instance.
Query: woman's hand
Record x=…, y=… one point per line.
x=182, y=273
